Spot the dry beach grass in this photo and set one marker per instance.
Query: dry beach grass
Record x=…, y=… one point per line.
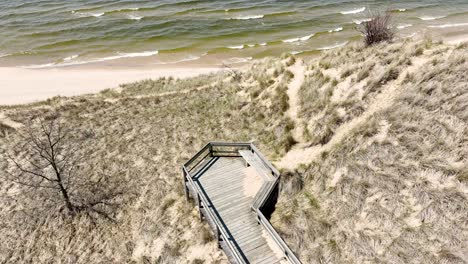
x=387, y=181
x=143, y=132
x=373, y=150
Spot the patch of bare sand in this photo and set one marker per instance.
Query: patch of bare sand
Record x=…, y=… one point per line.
x=298, y=69
x=252, y=183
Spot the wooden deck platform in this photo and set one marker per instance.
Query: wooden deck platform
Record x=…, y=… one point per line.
x=232, y=184
x=223, y=183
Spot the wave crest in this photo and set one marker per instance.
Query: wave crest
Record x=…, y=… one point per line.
x=425, y=18
x=449, y=25
x=298, y=39
x=333, y=46
x=86, y=14
x=338, y=29
x=360, y=21
x=236, y=47
x=354, y=11
x=133, y=17
x=68, y=61
x=236, y=60
x=247, y=17
x=402, y=26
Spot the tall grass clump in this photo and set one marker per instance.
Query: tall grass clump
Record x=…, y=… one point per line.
x=377, y=29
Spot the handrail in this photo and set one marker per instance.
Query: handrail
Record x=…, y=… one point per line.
x=197, y=155
x=220, y=228
x=288, y=253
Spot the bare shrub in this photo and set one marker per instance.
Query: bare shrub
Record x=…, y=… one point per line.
x=378, y=28
x=49, y=169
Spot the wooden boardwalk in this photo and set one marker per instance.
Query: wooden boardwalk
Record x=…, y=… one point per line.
x=223, y=183
x=220, y=179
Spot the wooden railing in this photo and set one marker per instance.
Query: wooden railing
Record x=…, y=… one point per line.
x=195, y=166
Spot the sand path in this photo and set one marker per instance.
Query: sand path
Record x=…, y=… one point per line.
x=302, y=153
x=298, y=69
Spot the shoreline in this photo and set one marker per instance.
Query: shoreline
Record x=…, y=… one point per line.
x=23, y=86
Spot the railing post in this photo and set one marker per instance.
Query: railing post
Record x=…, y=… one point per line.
x=200, y=206
x=218, y=236
x=186, y=190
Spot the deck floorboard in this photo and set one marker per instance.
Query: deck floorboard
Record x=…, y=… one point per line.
x=223, y=182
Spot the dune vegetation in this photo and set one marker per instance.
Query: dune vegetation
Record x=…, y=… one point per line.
x=376, y=159
x=142, y=133
x=385, y=181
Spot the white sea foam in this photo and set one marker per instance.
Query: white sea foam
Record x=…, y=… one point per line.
x=333, y=46
x=4, y=55
x=80, y=14
x=298, y=39
x=360, y=21
x=236, y=47
x=97, y=14
x=189, y=58
x=70, y=63
x=402, y=9
x=247, y=17
x=263, y=44
x=236, y=60
x=251, y=45
x=70, y=58
x=402, y=26
x=431, y=17
x=133, y=17
x=40, y=66
x=449, y=25
x=354, y=11
x=335, y=30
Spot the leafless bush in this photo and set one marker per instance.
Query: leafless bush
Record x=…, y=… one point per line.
x=378, y=28
x=49, y=167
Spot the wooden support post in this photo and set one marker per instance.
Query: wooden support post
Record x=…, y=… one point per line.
x=186, y=190
x=200, y=206
x=218, y=236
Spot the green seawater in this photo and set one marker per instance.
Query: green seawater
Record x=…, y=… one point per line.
x=54, y=33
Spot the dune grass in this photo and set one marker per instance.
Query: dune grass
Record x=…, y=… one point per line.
x=144, y=131
x=394, y=190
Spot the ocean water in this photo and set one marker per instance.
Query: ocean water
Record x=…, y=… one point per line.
x=58, y=33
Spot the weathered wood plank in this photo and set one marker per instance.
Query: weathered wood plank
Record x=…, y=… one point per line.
x=223, y=182
x=256, y=163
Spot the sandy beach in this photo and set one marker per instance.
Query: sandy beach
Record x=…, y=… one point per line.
x=20, y=86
